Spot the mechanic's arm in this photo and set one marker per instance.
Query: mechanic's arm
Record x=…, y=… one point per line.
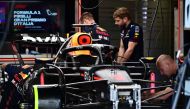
x=121, y=52
x=161, y=95
x=169, y=92
x=129, y=51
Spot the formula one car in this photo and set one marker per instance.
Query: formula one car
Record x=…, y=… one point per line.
x=84, y=75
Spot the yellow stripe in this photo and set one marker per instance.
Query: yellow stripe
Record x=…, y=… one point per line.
x=35, y=97
x=149, y=58
x=136, y=34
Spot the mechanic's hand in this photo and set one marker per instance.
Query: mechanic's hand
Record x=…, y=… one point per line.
x=25, y=66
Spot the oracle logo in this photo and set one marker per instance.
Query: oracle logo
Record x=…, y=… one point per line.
x=52, y=38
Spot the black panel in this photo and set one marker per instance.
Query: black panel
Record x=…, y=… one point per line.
x=70, y=15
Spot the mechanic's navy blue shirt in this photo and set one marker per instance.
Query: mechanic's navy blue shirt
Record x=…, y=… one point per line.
x=133, y=33
x=97, y=33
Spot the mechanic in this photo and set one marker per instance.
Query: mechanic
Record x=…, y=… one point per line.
x=99, y=34
x=168, y=68
x=131, y=34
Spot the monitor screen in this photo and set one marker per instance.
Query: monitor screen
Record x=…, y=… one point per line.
x=32, y=16
x=36, y=17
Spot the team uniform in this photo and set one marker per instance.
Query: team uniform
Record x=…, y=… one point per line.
x=133, y=33
x=98, y=33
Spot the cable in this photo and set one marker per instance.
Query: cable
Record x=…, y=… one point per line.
x=14, y=58
x=145, y=68
x=158, y=34
x=151, y=27
x=78, y=96
x=91, y=7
